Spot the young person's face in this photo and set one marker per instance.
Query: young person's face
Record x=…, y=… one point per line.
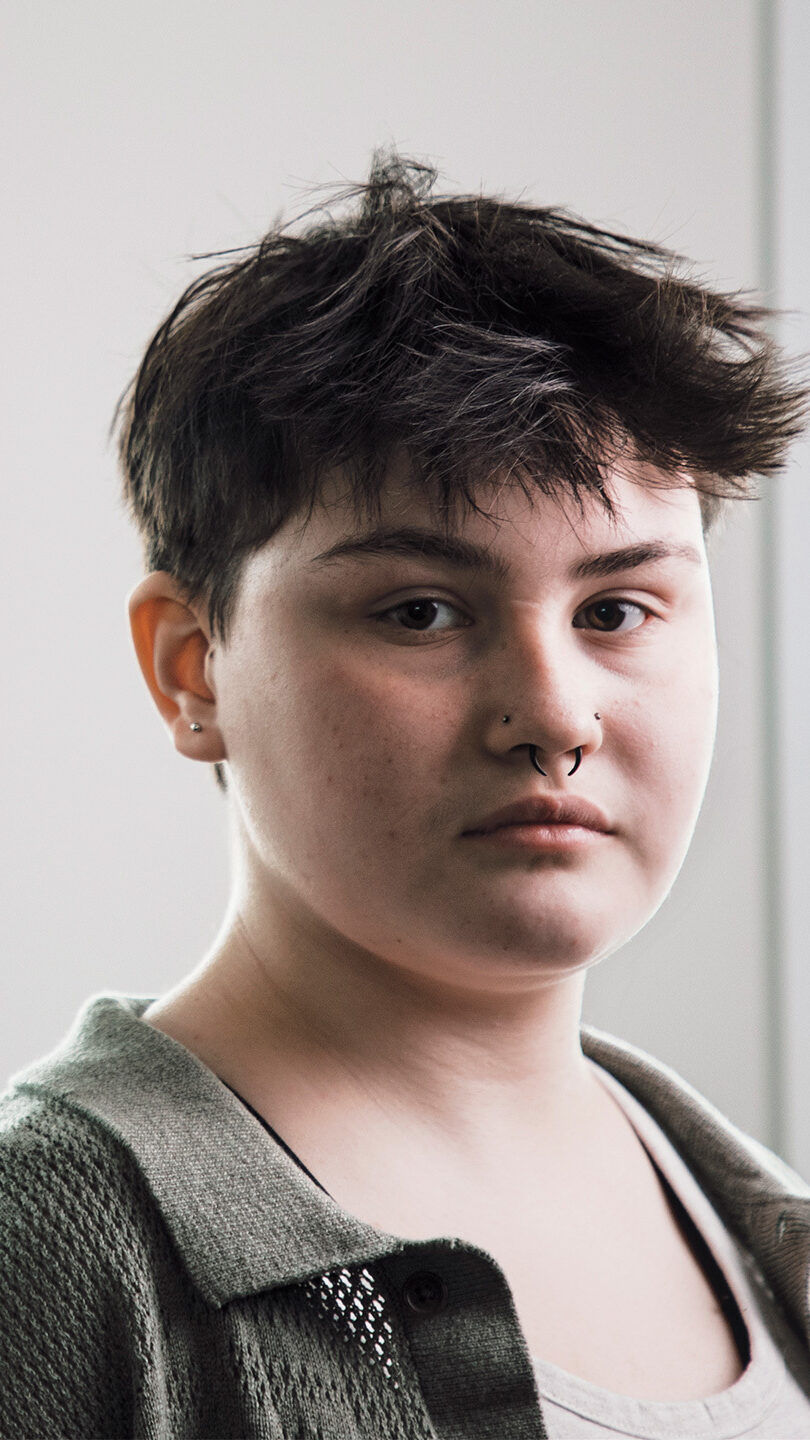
x=361, y=700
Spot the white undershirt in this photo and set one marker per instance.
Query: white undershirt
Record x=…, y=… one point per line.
x=769, y=1400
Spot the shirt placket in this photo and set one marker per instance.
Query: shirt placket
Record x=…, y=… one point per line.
x=466, y=1343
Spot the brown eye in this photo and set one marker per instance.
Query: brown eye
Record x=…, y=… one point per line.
x=418, y=614
x=422, y=614
x=610, y=615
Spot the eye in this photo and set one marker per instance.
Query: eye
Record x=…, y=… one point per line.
x=610, y=615
x=424, y=613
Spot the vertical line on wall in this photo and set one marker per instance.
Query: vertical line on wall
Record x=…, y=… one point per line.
x=770, y=840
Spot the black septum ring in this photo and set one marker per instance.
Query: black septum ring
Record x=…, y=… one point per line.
x=572, y=771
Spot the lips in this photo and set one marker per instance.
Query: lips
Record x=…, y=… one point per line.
x=543, y=810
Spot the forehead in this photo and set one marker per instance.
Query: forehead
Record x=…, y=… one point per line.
x=509, y=525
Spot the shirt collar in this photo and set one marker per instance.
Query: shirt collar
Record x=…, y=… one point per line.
x=244, y=1216
x=241, y=1213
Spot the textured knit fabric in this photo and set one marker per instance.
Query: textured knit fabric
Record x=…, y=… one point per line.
x=166, y=1270
x=768, y=1401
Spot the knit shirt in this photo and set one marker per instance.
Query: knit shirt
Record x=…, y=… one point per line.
x=167, y=1270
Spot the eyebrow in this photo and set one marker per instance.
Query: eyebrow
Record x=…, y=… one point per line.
x=630, y=557
x=412, y=541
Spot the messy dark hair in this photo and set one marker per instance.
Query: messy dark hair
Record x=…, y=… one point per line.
x=485, y=339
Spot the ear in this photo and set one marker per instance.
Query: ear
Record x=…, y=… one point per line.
x=172, y=642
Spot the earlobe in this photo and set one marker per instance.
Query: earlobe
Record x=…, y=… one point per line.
x=172, y=646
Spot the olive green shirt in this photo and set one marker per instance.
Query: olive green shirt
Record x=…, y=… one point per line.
x=167, y=1270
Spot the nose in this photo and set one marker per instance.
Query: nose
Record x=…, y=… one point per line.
x=545, y=707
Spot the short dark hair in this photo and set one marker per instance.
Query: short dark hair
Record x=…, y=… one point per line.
x=481, y=337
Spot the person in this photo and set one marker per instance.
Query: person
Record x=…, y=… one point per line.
x=424, y=483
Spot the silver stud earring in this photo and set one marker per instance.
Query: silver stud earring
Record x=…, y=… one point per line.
x=505, y=720
x=194, y=726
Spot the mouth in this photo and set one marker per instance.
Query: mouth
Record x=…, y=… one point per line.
x=544, y=820
x=540, y=839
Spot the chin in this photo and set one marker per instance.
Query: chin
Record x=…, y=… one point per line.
x=532, y=944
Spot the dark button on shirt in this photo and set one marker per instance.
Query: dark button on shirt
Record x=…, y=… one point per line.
x=425, y=1293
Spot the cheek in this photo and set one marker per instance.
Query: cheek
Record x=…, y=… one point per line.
x=369, y=719
x=345, y=751
x=687, y=724
x=670, y=738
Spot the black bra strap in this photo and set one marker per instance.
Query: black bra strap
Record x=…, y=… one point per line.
x=711, y=1269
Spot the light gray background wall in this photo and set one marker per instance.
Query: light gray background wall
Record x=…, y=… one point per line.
x=136, y=135
x=788, y=258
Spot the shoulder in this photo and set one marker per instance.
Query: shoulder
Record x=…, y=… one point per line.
x=721, y=1154
x=58, y=1162
x=75, y=1222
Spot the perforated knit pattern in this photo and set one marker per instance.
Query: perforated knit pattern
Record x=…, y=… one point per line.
x=103, y=1334
x=352, y=1301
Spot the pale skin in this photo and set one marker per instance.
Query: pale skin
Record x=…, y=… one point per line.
x=400, y=998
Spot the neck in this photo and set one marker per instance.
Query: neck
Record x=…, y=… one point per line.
x=296, y=1018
